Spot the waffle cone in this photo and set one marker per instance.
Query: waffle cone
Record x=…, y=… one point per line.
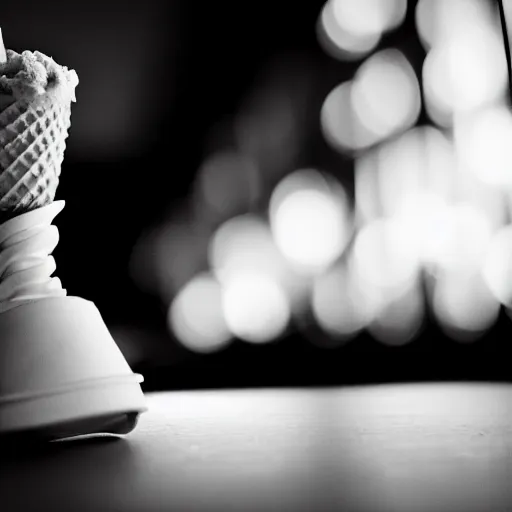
x=32, y=143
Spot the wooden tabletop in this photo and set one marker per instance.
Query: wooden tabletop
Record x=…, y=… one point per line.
x=431, y=447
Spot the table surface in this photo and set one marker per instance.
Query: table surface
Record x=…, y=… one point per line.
x=416, y=447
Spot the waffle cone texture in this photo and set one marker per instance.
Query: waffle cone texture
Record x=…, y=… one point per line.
x=32, y=143
x=33, y=133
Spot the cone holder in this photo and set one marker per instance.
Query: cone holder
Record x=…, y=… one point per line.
x=61, y=372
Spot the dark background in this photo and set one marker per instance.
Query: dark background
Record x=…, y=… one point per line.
x=158, y=82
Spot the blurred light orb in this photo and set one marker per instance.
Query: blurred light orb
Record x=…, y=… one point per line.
x=196, y=316
x=400, y=319
x=366, y=187
x=340, y=125
x=437, y=20
x=256, y=309
x=470, y=235
x=401, y=171
x=483, y=142
x=464, y=305
x=244, y=243
x=384, y=257
x=415, y=169
x=354, y=27
x=309, y=218
x=464, y=73
x=497, y=269
x=385, y=93
x=404, y=176
x=309, y=229
x=339, y=43
x=339, y=305
x=363, y=17
x=448, y=238
x=423, y=217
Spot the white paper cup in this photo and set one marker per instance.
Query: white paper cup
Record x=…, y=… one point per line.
x=62, y=373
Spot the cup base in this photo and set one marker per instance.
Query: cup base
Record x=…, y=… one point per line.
x=62, y=374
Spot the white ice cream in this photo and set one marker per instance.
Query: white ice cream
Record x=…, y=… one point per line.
x=30, y=74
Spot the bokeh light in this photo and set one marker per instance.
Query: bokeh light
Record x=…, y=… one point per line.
x=196, y=316
x=340, y=43
x=437, y=20
x=448, y=238
x=427, y=226
x=400, y=319
x=384, y=258
x=465, y=72
x=469, y=234
x=242, y=244
x=245, y=244
x=340, y=125
x=423, y=219
x=489, y=200
x=361, y=17
x=405, y=175
x=385, y=93
x=464, y=305
x=339, y=303
x=421, y=163
x=319, y=217
x=366, y=187
x=415, y=181
x=255, y=307
x=483, y=142
x=497, y=268
x=351, y=28
x=310, y=220
x=382, y=100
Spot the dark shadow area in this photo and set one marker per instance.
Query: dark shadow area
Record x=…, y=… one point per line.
x=27, y=447
x=62, y=436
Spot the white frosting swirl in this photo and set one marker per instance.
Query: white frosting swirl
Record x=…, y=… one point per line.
x=26, y=242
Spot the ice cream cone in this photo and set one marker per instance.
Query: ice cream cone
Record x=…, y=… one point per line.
x=61, y=373
x=32, y=142
x=35, y=110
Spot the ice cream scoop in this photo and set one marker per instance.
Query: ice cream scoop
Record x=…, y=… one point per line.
x=61, y=373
